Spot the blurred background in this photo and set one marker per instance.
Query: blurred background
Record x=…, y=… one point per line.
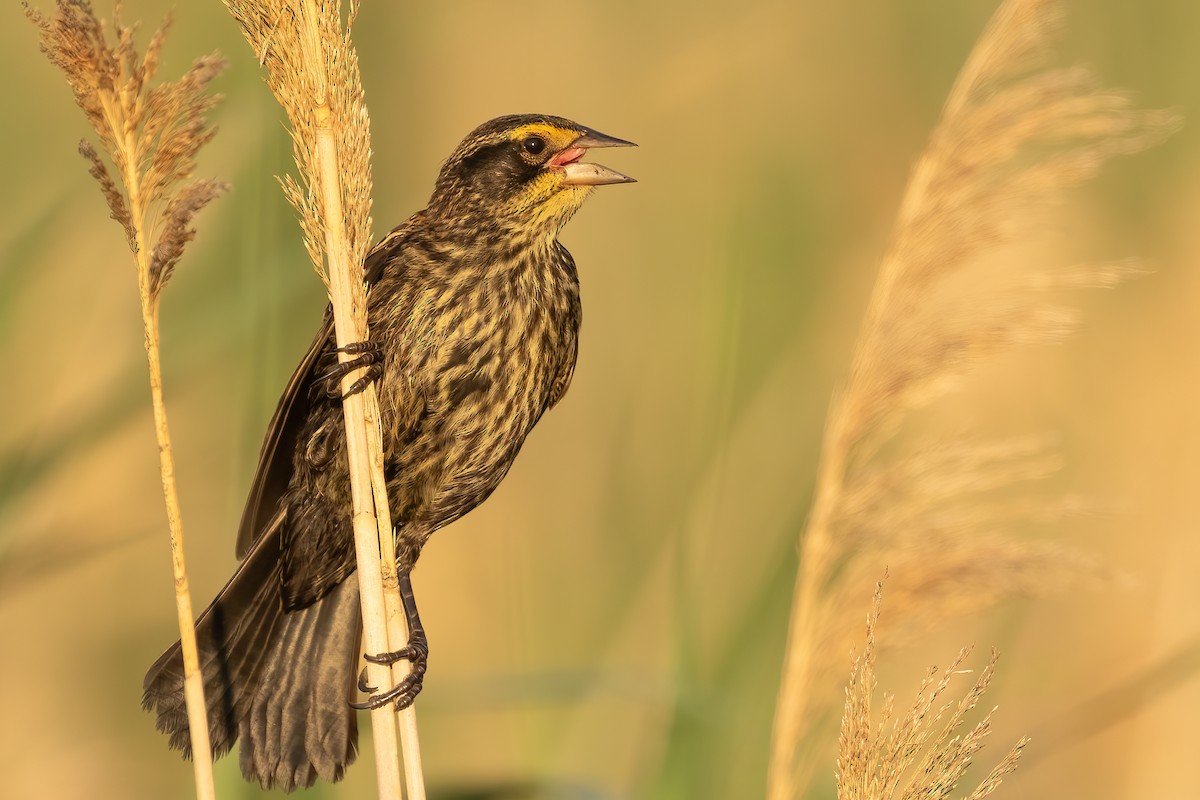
x=610, y=624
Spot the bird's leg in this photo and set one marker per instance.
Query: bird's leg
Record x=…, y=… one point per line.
x=417, y=651
x=370, y=358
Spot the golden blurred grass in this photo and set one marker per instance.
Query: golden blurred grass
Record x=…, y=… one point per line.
x=962, y=282
x=630, y=580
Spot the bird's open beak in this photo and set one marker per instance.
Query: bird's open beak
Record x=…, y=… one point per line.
x=581, y=174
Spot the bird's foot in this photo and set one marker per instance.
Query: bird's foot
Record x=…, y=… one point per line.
x=405, y=692
x=370, y=359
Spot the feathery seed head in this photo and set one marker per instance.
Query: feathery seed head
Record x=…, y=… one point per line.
x=924, y=754
x=152, y=135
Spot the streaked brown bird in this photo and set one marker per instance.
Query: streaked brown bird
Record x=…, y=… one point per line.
x=474, y=313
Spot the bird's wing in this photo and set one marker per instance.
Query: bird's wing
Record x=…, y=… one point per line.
x=566, y=368
x=275, y=460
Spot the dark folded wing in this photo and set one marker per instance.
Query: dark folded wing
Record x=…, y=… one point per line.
x=275, y=460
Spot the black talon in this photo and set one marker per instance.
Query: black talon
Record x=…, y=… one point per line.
x=370, y=359
x=363, y=686
x=402, y=694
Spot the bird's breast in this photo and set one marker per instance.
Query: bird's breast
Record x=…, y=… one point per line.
x=480, y=351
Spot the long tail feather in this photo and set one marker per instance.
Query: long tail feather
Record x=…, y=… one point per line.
x=282, y=682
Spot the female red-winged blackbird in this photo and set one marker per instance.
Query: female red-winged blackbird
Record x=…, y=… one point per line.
x=474, y=314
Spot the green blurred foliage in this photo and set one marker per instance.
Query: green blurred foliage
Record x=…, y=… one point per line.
x=611, y=623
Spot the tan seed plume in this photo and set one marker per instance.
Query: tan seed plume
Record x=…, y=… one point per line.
x=921, y=755
x=151, y=134
x=937, y=509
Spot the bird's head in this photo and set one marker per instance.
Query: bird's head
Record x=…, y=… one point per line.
x=522, y=173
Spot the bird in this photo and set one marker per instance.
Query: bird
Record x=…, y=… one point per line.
x=473, y=311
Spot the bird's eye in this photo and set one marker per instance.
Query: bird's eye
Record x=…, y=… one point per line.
x=534, y=145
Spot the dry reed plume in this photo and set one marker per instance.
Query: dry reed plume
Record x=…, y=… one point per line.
x=1012, y=134
x=312, y=68
x=920, y=756
x=152, y=136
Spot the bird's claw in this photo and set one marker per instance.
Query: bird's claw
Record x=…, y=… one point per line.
x=370, y=359
x=405, y=692
x=402, y=694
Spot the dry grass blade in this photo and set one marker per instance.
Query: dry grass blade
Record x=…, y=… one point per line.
x=1013, y=134
x=1095, y=715
x=312, y=68
x=922, y=755
x=152, y=136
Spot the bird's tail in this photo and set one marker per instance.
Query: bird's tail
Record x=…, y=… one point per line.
x=282, y=682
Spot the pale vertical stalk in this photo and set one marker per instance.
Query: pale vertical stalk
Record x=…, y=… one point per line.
x=348, y=297
x=152, y=136
x=349, y=329
x=193, y=682
x=397, y=623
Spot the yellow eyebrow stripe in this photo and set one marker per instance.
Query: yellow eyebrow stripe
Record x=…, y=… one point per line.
x=544, y=129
